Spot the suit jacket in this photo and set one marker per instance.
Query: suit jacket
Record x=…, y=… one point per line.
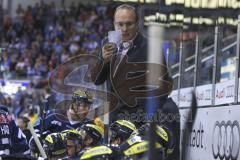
x=101, y=73
x=136, y=53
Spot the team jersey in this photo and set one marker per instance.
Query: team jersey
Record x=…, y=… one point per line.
x=12, y=139
x=56, y=121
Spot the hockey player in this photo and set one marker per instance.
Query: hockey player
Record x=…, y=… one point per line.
x=57, y=120
x=136, y=146
x=54, y=145
x=12, y=139
x=121, y=131
x=67, y=143
x=92, y=135
x=74, y=144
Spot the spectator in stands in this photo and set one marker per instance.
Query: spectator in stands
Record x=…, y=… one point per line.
x=20, y=11
x=43, y=29
x=33, y=116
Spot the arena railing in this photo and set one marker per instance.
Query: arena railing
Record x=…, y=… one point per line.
x=214, y=75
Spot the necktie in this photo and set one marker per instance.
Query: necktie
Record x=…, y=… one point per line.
x=124, y=47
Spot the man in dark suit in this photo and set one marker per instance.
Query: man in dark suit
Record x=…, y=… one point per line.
x=134, y=47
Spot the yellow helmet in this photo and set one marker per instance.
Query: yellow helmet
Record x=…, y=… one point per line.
x=54, y=144
x=122, y=129
x=94, y=131
x=74, y=135
x=81, y=96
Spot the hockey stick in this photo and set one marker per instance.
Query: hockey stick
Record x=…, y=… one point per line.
x=188, y=126
x=36, y=139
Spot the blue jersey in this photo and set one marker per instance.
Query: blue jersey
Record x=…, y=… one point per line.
x=12, y=139
x=56, y=121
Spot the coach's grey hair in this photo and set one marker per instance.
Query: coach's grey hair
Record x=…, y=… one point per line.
x=128, y=7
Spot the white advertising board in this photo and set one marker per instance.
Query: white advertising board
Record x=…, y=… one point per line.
x=215, y=134
x=204, y=95
x=224, y=92
x=10, y=87
x=185, y=98
x=174, y=96
x=239, y=90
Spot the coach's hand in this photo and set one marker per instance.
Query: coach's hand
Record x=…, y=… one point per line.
x=108, y=50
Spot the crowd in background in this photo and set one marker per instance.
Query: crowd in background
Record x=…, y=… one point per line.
x=43, y=36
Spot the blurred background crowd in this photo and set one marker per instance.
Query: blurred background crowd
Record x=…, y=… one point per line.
x=40, y=38
x=43, y=36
